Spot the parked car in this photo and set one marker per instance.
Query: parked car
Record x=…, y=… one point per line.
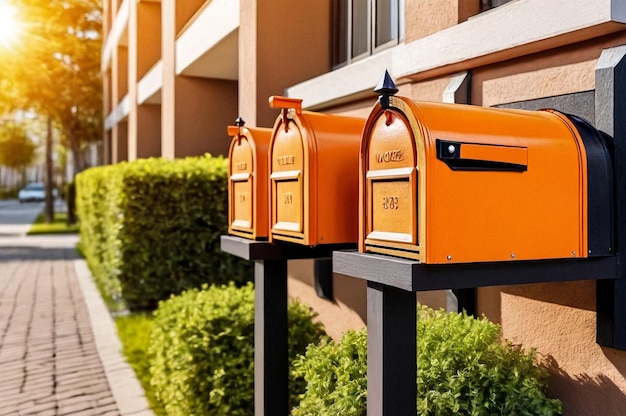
x=34, y=191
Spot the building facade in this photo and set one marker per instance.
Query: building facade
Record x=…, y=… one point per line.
x=176, y=73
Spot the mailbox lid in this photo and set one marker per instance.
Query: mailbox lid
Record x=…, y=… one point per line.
x=520, y=194
x=247, y=181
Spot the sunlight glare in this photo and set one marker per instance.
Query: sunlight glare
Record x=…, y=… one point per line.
x=8, y=23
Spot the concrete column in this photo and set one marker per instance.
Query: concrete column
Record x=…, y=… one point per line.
x=168, y=60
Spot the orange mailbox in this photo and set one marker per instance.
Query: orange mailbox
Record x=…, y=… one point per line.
x=450, y=183
x=314, y=175
x=248, y=211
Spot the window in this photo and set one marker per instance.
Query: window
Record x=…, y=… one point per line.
x=490, y=4
x=363, y=27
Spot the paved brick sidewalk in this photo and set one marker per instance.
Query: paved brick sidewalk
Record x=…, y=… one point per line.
x=59, y=355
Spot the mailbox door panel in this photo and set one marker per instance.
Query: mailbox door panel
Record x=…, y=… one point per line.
x=241, y=187
x=287, y=181
x=391, y=184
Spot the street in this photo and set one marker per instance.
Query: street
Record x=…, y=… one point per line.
x=16, y=218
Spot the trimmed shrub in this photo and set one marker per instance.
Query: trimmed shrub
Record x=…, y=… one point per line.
x=151, y=228
x=336, y=376
x=463, y=369
x=202, y=350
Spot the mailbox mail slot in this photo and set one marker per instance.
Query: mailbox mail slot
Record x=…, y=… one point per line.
x=248, y=211
x=314, y=175
x=449, y=183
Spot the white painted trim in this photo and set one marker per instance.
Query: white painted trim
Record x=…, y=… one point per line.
x=218, y=20
x=119, y=26
x=505, y=28
x=118, y=114
x=151, y=83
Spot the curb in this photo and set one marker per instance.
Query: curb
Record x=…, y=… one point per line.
x=127, y=391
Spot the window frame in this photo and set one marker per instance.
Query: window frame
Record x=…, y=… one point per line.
x=371, y=49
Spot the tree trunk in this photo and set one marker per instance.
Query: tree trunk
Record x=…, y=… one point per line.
x=49, y=207
x=77, y=155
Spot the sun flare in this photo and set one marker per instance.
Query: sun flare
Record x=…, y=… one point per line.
x=8, y=23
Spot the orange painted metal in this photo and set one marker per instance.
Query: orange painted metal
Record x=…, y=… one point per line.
x=521, y=193
x=248, y=209
x=314, y=175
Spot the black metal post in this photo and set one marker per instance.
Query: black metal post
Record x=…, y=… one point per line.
x=271, y=361
x=271, y=366
x=611, y=118
x=392, y=351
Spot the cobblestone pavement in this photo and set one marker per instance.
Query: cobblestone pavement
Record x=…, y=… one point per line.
x=59, y=353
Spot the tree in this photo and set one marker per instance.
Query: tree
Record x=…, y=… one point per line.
x=64, y=80
x=17, y=151
x=54, y=70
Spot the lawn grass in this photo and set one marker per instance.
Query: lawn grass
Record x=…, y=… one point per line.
x=58, y=226
x=134, y=332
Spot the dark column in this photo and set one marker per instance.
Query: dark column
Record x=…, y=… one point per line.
x=271, y=395
x=391, y=351
x=611, y=119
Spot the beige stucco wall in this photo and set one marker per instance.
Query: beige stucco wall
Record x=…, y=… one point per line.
x=559, y=320
x=424, y=17
x=203, y=109
x=148, y=134
x=185, y=11
x=148, y=42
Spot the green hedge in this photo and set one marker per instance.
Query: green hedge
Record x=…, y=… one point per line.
x=202, y=350
x=463, y=369
x=151, y=228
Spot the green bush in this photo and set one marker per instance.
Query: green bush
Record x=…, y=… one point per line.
x=463, y=369
x=336, y=377
x=151, y=227
x=202, y=350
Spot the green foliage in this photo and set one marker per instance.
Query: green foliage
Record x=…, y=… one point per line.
x=134, y=331
x=336, y=376
x=16, y=149
x=202, y=350
x=151, y=228
x=464, y=369
x=57, y=226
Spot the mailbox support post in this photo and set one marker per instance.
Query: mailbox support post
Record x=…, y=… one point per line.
x=271, y=362
x=391, y=351
x=271, y=367
x=610, y=106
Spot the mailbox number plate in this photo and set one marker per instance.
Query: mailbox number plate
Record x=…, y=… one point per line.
x=242, y=201
x=288, y=197
x=391, y=205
